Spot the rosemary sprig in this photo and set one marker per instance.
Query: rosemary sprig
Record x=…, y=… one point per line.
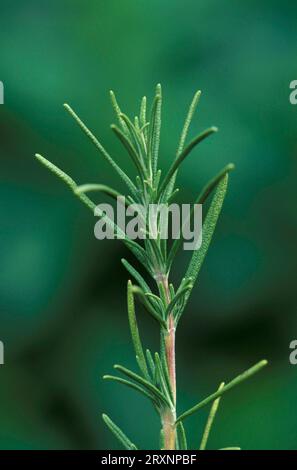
x=156, y=379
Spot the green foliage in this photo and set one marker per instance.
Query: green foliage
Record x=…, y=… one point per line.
x=165, y=303
x=210, y=420
x=118, y=433
x=245, y=375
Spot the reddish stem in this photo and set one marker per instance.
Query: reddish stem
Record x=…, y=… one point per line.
x=169, y=415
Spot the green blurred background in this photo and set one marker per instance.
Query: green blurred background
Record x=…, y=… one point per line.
x=62, y=293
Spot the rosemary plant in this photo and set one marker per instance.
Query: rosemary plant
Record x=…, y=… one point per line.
x=156, y=375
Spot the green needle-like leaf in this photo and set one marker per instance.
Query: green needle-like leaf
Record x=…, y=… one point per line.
x=211, y=185
x=139, y=253
x=67, y=180
x=135, y=139
x=119, y=434
x=134, y=330
x=150, y=309
x=87, y=188
x=102, y=150
x=150, y=362
x=145, y=383
x=142, y=114
x=137, y=276
x=206, y=191
x=144, y=286
x=184, y=134
x=188, y=121
x=130, y=384
x=118, y=112
x=130, y=149
x=242, y=377
x=184, y=154
x=210, y=420
x=140, y=137
x=182, y=439
x=155, y=129
x=179, y=296
x=164, y=382
x=207, y=232
x=136, y=249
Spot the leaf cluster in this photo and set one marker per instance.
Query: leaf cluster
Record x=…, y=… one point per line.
x=140, y=138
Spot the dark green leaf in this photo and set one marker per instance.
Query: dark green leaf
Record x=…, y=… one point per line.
x=145, y=383
x=134, y=331
x=118, y=433
x=130, y=384
x=181, y=436
x=239, y=379
x=210, y=420
x=184, y=154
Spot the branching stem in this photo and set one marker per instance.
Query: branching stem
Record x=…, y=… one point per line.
x=156, y=379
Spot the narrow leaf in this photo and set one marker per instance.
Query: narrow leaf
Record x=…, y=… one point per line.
x=188, y=121
x=136, y=139
x=207, y=232
x=144, y=286
x=150, y=309
x=145, y=383
x=165, y=386
x=139, y=253
x=150, y=362
x=184, y=154
x=155, y=129
x=118, y=433
x=87, y=188
x=142, y=114
x=130, y=384
x=118, y=112
x=206, y=191
x=137, y=276
x=210, y=420
x=244, y=376
x=211, y=185
x=178, y=297
x=136, y=249
x=182, y=440
x=130, y=149
x=102, y=150
x=134, y=331
x=184, y=134
x=68, y=181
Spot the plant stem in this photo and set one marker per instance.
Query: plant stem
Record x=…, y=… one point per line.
x=169, y=417
x=168, y=422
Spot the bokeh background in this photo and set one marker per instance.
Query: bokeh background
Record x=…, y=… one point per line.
x=63, y=313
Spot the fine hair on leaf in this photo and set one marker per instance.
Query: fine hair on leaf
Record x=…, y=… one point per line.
x=154, y=260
